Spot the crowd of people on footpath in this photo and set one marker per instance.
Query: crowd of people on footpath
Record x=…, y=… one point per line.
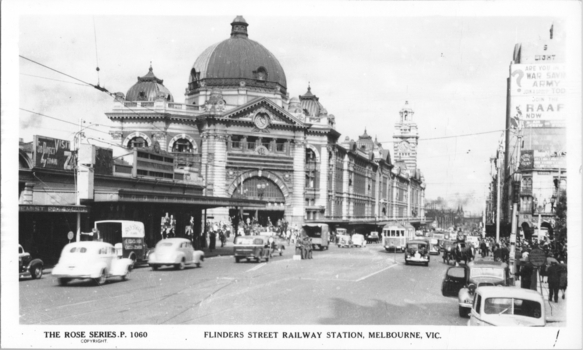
x=555, y=268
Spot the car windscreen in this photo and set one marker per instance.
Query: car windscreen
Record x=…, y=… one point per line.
x=496, y=272
x=249, y=241
x=512, y=306
x=416, y=246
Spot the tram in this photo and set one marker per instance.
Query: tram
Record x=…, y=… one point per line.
x=394, y=237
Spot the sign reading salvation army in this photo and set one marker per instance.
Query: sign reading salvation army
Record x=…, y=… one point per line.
x=52, y=153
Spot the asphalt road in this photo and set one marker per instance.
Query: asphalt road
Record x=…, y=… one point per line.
x=346, y=286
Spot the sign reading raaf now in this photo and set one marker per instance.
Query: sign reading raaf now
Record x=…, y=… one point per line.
x=538, y=94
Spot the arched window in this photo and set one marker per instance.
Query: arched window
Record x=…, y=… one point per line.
x=183, y=145
x=137, y=142
x=261, y=74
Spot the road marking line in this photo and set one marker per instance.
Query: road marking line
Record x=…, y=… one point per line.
x=256, y=267
x=374, y=273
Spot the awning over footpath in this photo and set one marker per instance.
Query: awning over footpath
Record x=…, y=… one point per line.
x=50, y=208
x=204, y=202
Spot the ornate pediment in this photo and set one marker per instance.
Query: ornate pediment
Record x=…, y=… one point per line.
x=263, y=113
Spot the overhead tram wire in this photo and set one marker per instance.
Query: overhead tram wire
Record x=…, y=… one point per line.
x=61, y=120
x=100, y=88
x=62, y=81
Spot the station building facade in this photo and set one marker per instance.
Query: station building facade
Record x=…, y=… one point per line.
x=239, y=147
x=239, y=132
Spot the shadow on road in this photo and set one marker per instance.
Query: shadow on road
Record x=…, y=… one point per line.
x=381, y=313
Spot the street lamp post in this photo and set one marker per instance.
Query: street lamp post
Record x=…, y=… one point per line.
x=261, y=186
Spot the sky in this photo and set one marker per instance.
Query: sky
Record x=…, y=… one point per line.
x=362, y=62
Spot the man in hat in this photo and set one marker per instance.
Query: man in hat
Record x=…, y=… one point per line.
x=554, y=278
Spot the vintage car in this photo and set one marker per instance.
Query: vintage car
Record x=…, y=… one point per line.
x=177, y=252
x=27, y=266
x=344, y=241
x=358, y=240
x=373, y=237
x=507, y=306
x=417, y=252
x=463, y=281
x=90, y=260
x=252, y=247
x=433, y=246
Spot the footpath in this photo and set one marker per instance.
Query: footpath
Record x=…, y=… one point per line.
x=556, y=312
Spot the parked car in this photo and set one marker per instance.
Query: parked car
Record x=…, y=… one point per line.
x=417, y=252
x=252, y=247
x=373, y=237
x=507, y=306
x=344, y=241
x=463, y=281
x=177, y=252
x=27, y=266
x=358, y=240
x=90, y=260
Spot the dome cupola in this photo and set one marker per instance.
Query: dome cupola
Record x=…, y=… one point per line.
x=237, y=62
x=149, y=88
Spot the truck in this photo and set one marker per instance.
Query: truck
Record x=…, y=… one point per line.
x=319, y=235
x=126, y=235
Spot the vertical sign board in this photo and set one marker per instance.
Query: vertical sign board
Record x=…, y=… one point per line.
x=52, y=153
x=538, y=95
x=103, y=161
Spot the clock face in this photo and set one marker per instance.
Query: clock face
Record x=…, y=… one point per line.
x=261, y=121
x=404, y=146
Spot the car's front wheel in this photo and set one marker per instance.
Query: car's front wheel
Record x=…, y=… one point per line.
x=63, y=281
x=154, y=267
x=180, y=265
x=36, y=272
x=101, y=279
x=237, y=259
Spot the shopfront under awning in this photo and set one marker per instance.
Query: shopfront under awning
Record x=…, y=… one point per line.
x=203, y=202
x=50, y=208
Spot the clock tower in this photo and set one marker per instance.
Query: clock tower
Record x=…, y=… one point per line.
x=405, y=138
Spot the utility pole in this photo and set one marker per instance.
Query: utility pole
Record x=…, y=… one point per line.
x=77, y=197
x=513, y=240
x=499, y=174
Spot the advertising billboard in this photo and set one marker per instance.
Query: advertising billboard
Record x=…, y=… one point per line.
x=538, y=95
x=52, y=153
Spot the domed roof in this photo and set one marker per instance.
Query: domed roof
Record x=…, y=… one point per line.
x=237, y=61
x=311, y=104
x=148, y=88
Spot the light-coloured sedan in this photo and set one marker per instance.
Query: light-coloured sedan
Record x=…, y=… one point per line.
x=507, y=306
x=177, y=252
x=90, y=260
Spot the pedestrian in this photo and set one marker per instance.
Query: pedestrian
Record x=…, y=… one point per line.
x=554, y=278
x=525, y=274
x=563, y=278
x=483, y=249
x=212, y=240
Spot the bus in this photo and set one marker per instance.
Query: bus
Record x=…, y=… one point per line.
x=394, y=237
x=130, y=234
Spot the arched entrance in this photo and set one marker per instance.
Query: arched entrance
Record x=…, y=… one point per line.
x=260, y=188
